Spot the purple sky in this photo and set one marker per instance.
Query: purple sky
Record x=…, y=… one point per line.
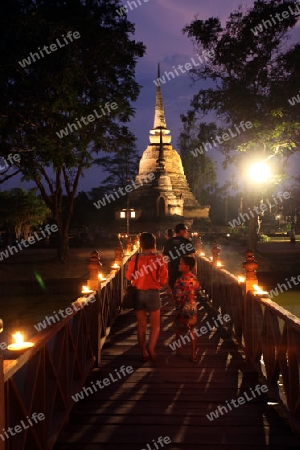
x=159, y=26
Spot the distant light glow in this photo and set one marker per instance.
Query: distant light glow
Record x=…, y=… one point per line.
x=259, y=172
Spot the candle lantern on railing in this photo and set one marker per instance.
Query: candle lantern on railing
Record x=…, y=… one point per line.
x=198, y=245
x=250, y=266
x=94, y=268
x=129, y=246
x=119, y=253
x=215, y=252
x=19, y=345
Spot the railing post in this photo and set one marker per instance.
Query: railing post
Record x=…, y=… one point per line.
x=250, y=266
x=119, y=253
x=129, y=246
x=198, y=245
x=215, y=258
x=215, y=252
x=2, y=402
x=94, y=268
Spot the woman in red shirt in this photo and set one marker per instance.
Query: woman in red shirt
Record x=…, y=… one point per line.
x=150, y=276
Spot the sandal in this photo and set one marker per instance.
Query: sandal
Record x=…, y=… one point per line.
x=194, y=359
x=145, y=358
x=152, y=356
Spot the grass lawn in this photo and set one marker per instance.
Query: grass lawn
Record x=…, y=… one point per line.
x=23, y=312
x=25, y=264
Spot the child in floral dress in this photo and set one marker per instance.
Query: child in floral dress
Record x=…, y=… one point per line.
x=184, y=296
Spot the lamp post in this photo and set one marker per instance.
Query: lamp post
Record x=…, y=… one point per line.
x=258, y=173
x=127, y=213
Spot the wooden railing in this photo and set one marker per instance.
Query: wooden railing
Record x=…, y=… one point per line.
x=43, y=379
x=225, y=293
x=269, y=334
x=272, y=337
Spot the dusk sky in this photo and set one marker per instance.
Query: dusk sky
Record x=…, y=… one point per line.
x=159, y=25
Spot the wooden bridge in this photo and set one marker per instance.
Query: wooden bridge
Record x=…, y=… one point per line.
x=242, y=394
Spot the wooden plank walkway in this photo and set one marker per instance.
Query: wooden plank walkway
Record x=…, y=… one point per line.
x=173, y=398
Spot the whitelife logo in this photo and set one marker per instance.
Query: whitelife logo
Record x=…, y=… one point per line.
x=258, y=209
x=12, y=431
x=240, y=401
x=220, y=140
x=274, y=292
x=9, y=161
x=206, y=56
x=128, y=188
x=161, y=441
x=86, y=391
x=294, y=100
x=145, y=268
x=265, y=24
x=53, y=47
x=200, y=331
x=86, y=120
x=31, y=240
x=124, y=9
x=63, y=313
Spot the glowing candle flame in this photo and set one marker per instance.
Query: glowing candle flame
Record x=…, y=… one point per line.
x=219, y=264
x=101, y=277
x=86, y=290
x=258, y=290
x=241, y=279
x=115, y=266
x=202, y=254
x=19, y=344
x=18, y=337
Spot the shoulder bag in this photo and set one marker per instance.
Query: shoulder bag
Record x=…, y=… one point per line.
x=130, y=293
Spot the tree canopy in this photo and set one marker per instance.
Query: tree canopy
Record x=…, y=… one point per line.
x=253, y=74
x=20, y=211
x=67, y=81
x=246, y=89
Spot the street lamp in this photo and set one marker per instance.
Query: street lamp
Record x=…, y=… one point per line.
x=259, y=172
x=127, y=213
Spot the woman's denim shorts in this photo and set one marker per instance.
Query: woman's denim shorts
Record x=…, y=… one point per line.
x=147, y=300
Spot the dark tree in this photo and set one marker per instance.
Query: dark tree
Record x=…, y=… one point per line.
x=251, y=77
x=198, y=167
x=67, y=81
x=21, y=211
x=121, y=167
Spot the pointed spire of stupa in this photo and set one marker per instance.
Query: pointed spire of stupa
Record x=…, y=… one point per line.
x=160, y=162
x=159, y=117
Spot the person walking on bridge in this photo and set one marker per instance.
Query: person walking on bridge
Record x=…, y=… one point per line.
x=150, y=276
x=176, y=247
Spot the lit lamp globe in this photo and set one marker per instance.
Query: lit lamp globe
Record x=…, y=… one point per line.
x=259, y=172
